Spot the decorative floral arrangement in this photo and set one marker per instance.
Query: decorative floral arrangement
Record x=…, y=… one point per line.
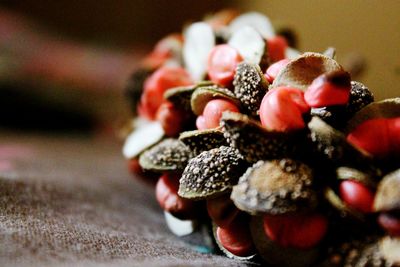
x=288, y=159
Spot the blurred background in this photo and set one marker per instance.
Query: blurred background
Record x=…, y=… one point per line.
x=64, y=64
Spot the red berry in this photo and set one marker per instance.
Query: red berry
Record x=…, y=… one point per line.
x=169, y=200
x=222, y=62
x=201, y=123
x=357, y=195
x=282, y=109
x=390, y=223
x=393, y=135
x=222, y=211
x=329, y=89
x=164, y=50
x=213, y=111
x=274, y=69
x=298, y=231
x=277, y=48
x=155, y=86
x=171, y=118
x=236, y=238
x=373, y=137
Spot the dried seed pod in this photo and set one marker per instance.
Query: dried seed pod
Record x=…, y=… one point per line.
x=276, y=255
x=387, y=196
x=344, y=210
x=388, y=108
x=143, y=137
x=202, y=95
x=364, y=252
x=333, y=145
x=254, y=141
x=199, y=40
x=256, y=20
x=390, y=247
x=302, y=71
x=225, y=251
x=250, y=87
x=250, y=45
x=211, y=173
x=180, y=96
x=168, y=155
x=360, y=96
x=275, y=187
x=347, y=173
x=203, y=140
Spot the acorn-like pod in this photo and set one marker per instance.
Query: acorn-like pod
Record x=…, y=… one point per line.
x=229, y=254
x=332, y=144
x=275, y=187
x=360, y=96
x=347, y=173
x=388, y=108
x=302, y=71
x=202, y=95
x=387, y=196
x=168, y=155
x=211, y=173
x=276, y=255
x=343, y=209
x=250, y=87
x=254, y=141
x=181, y=96
x=203, y=140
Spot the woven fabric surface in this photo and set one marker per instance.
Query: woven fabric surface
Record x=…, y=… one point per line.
x=70, y=201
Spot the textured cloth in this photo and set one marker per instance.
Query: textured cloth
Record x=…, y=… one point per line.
x=70, y=201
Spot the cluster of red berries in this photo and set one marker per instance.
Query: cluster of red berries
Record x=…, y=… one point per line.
x=286, y=107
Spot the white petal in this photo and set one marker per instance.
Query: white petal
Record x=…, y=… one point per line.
x=249, y=43
x=179, y=227
x=256, y=20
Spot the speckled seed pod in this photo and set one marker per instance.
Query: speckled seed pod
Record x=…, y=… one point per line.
x=211, y=173
x=203, y=140
x=202, y=95
x=387, y=196
x=275, y=187
x=168, y=155
x=180, y=96
x=356, y=253
x=332, y=144
x=255, y=142
x=338, y=204
x=302, y=71
x=388, y=108
x=250, y=87
x=360, y=96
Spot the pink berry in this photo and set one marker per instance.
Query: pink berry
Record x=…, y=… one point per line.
x=171, y=118
x=213, y=111
x=201, y=123
x=329, y=89
x=276, y=48
x=357, y=195
x=274, y=69
x=222, y=63
x=390, y=223
x=155, y=86
x=282, y=109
